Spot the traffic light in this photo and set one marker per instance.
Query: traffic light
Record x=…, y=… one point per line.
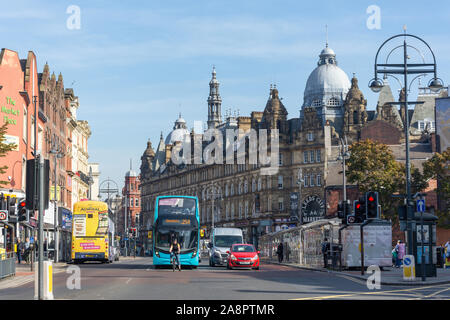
x=202, y=233
x=340, y=210
x=11, y=201
x=348, y=208
x=359, y=206
x=372, y=205
x=22, y=211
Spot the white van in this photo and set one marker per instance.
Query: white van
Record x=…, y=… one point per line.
x=221, y=241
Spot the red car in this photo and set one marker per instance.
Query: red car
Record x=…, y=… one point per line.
x=243, y=256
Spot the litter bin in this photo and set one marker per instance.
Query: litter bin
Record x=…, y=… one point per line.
x=439, y=257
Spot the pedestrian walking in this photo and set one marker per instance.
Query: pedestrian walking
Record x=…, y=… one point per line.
x=288, y=251
x=325, y=252
x=394, y=256
x=280, y=252
x=20, y=250
x=27, y=249
x=398, y=254
x=447, y=255
x=401, y=252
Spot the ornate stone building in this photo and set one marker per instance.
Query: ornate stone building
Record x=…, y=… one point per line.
x=333, y=107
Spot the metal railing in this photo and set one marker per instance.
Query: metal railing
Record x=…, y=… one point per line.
x=7, y=264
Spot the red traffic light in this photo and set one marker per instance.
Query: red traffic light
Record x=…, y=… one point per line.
x=22, y=204
x=358, y=206
x=371, y=199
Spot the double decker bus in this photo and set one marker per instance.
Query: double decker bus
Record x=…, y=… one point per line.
x=176, y=216
x=92, y=232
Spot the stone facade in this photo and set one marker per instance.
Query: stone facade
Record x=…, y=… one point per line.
x=308, y=152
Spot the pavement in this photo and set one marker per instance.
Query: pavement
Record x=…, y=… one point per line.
x=24, y=274
x=389, y=275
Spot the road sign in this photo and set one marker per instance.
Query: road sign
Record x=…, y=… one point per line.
x=351, y=219
x=3, y=215
x=420, y=205
x=409, y=269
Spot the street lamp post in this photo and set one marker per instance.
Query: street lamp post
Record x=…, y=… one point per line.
x=300, y=180
x=213, y=194
x=58, y=154
x=405, y=69
x=343, y=155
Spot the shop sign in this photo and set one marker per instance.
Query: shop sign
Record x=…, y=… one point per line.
x=10, y=111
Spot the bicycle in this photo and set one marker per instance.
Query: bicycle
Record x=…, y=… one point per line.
x=174, y=263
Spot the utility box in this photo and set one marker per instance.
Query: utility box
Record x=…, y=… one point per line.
x=428, y=243
x=377, y=244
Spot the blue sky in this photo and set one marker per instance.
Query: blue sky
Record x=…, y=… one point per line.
x=135, y=65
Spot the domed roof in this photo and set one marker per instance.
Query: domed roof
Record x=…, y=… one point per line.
x=131, y=173
x=327, y=51
x=327, y=80
x=179, y=132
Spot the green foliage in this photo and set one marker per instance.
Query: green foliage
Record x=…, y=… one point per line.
x=4, y=149
x=438, y=167
x=373, y=167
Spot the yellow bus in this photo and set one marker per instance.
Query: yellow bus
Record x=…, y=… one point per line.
x=92, y=232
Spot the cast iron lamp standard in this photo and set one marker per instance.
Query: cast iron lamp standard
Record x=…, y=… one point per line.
x=435, y=84
x=344, y=154
x=58, y=154
x=300, y=180
x=213, y=194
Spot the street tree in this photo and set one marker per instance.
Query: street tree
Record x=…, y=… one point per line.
x=438, y=167
x=372, y=166
x=4, y=149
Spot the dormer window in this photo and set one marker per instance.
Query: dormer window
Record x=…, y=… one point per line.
x=310, y=136
x=334, y=102
x=317, y=103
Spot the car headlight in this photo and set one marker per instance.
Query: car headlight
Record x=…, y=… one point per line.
x=157, y=253
x=194, y=253
x=233, y=257
x=255, y=257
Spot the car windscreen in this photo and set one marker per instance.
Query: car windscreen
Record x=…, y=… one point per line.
x=243, y=248
x=226, y=241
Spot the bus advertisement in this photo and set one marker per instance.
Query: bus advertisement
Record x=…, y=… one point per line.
x=176, y=217
x=92, y=234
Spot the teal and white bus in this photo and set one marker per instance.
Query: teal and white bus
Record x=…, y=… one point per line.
x=176, y=216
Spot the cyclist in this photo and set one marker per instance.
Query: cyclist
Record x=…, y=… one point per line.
x=175, y=251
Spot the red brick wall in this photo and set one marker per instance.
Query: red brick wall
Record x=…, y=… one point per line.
x=381, y=131
x=443, y=235
x=334, y=195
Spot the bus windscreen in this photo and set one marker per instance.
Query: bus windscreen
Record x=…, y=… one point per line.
x=176, y=205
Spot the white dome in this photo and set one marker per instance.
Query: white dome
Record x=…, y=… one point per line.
x=327, y=81
x=179, y=132
x=178, y=135
x=131, y=173
x=327, y=51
